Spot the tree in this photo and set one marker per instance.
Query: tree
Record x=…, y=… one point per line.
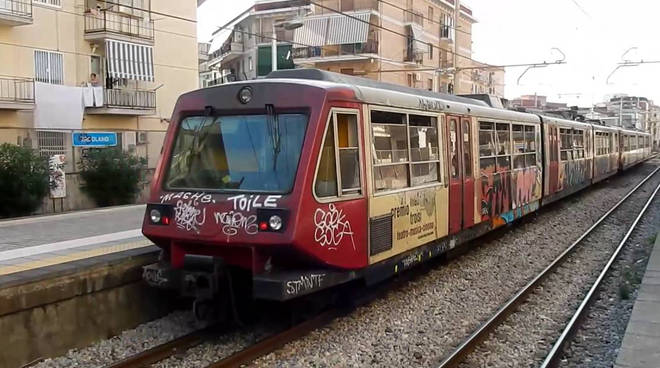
x=23, y=180
x=111, y=176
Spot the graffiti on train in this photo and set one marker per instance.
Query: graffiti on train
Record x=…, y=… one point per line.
x=495, y=193
x=573, y=173
x=332, y=227
x=526, y=186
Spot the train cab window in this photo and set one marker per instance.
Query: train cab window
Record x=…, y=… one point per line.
x=518, y=136
x=487, y=147
x=339, y=166
x=239, y=153
x=349, y=152
x=326, y=177
x=424, y=150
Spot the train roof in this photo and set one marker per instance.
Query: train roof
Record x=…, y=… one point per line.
x=387, y=94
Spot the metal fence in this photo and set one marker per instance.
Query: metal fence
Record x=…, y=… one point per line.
x=124, y=24
x=21, y=8
x=126, y=98
x=17, y=90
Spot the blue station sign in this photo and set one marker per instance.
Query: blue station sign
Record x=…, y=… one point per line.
x=94, y=139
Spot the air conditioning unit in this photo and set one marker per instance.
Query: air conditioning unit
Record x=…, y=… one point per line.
x=142, y=138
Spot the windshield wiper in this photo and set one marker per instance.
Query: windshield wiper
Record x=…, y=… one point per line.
x=274, y=132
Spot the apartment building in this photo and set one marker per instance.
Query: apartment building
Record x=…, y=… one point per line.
x=409, y=42
x=242, y=49
x=418, y=43
x=113, y=68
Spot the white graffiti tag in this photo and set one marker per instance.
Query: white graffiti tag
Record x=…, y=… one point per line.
x=189, y=217
x=331, y=227
x=233, y=221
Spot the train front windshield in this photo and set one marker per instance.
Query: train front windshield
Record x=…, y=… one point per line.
x=241, y=153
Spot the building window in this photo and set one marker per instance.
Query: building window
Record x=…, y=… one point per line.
x=57, y=3
x=48, y=67
x=51, y=143
x=429, y=84
x=347, y=71
x=431, y=14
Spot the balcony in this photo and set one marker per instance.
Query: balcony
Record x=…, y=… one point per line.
x=228, y=52
x=346, y=52
x=125, y=102
x=16, y=93
x=15, y=12
x=105, y=24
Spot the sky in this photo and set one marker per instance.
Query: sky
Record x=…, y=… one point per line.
x=593, y=34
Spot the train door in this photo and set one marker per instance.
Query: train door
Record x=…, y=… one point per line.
x=553, y=171
x=461, y=181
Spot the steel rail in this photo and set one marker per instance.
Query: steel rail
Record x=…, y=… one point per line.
x=551, y=359
x=468, y=345
x=276, y=341
x=163, y=351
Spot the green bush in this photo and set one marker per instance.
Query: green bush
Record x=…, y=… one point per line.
x=111, y=176
x=23, y=180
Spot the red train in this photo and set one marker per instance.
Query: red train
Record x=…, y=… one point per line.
x=307, y=179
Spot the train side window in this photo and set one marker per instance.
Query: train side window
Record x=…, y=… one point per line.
x=390, y=150
x=503, y=146
x=487, y=147
x=518, y=135
x=424, y=150
x=339, y=166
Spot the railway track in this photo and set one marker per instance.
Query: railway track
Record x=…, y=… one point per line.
x=481, y=334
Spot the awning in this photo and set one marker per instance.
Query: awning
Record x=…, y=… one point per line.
x=333, y=29
x=420, y=46
x=129, y=60
x=344, y=30
x=312, y=33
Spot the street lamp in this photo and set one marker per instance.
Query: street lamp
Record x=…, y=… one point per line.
x=288, y=25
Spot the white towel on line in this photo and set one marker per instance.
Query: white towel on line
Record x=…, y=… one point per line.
x=88, y=96
x=98, y=96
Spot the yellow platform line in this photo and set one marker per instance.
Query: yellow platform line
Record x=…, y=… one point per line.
x=55, y=260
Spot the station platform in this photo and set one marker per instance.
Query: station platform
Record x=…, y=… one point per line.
x=641, y=344
x=38, y=245
x=71, y=279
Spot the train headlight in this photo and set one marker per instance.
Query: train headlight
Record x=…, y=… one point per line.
x=245, y=95
x=155, y=216
x=275, y=222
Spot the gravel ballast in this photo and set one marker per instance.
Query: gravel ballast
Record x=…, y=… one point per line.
x=526, y=336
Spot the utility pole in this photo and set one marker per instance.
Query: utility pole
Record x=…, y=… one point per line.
x=457, y=14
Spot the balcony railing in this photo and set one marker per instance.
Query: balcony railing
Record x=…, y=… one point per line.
x=129, y=99
x=354, y=49
x=19, y=8
x=108, y=21
x=16, y=90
